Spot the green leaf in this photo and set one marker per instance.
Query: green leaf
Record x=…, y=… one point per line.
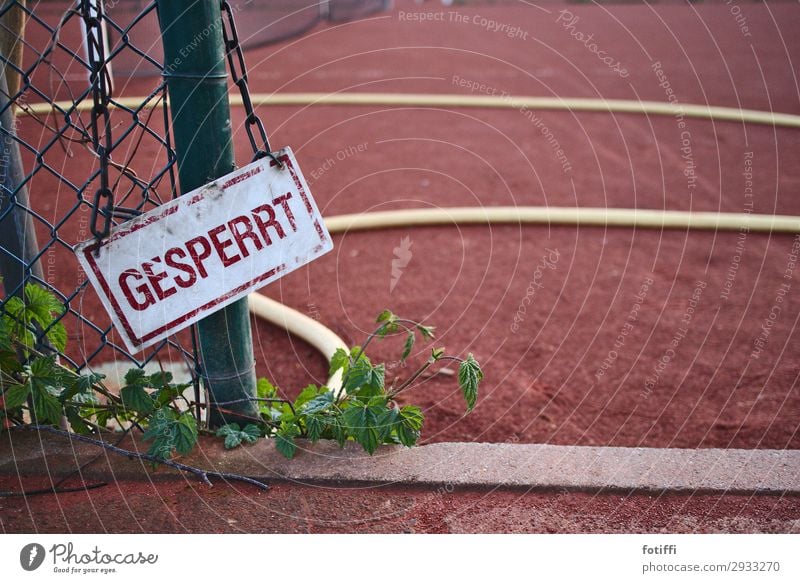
x=77, y=423
x=469, y=376
x=45, y=379
x=284, y=440
x=437, y=353
x=377, y=379
x=233, y=440
x=365, y=380
x=251, y=433
x=170, y=431
x=83, y=384
x=159, y=423
x=9, y=363
x=365, y=424
x=340, y=359
x=265, y=389
x=159, y=379
x=315, y=426
x=16, y=395
x=228, y=429
x=185, y=433
x=357, y=354
x=57, y=335
x=359, y=374
x=412, y=416
x=42, y=305
x=338, y=430
x=168, y=393
x=319, y=403
x=135, y=398
x=44, y=372
x=386, y=424
x=135, y=376
x=305, y=396
x=234, y=436
x=408, y=345
x=5, y=335
x=47, y=409
x=409, y=424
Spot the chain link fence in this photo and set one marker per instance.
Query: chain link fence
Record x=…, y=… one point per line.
x=77, y=157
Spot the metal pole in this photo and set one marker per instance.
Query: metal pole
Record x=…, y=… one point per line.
x=18, y=246
x=197, y=82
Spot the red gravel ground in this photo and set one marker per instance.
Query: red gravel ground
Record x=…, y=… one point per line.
x=177, y=506
x=543, y=379
x=714, y=315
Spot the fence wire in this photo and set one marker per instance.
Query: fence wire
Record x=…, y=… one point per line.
x=51, y=167
x=55, y=159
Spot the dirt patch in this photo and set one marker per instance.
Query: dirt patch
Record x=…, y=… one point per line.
x=189, y=507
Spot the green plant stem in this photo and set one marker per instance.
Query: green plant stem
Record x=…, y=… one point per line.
x=412, y=378
x=401, y=321
x=246, y=417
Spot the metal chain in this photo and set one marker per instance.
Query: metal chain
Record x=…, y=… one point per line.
x=233, y=49
x=102, y=142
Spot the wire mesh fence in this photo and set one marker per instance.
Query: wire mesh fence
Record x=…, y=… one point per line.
x=60, y=151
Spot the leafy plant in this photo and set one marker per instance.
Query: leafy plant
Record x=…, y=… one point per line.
x=35, y=387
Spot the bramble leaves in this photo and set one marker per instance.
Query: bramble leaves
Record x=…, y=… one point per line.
x=16, y=395
x=135, y=398
x=319, y=403
x=365, y=410
x=39, y=310
x=340, y=359
x=409, y=425
x=171, y=431
x=284, y=439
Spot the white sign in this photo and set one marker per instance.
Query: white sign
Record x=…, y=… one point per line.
x=166, y=269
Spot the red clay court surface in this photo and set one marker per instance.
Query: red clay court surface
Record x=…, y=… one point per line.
x=541, y=381
x=178, y=506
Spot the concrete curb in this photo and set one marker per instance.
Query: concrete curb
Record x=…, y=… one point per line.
x=442, y=465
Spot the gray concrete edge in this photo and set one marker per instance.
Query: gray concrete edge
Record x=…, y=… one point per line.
x=447, y=466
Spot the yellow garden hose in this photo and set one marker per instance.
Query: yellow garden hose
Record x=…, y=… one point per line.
x=326, y=341
x=478, y=101
x=301, y=326
x=586, y=217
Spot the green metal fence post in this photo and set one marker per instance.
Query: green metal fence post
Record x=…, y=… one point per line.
x=194, y=66
x=17, y=233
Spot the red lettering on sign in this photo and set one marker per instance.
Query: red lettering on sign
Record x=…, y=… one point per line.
x=199, y=255
x=284, y=202
x=220, y=246
x=156, y=278
x=272, y=222
x=170, y=259
x=136, y=303
x=246, y=233
x=187, y=264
